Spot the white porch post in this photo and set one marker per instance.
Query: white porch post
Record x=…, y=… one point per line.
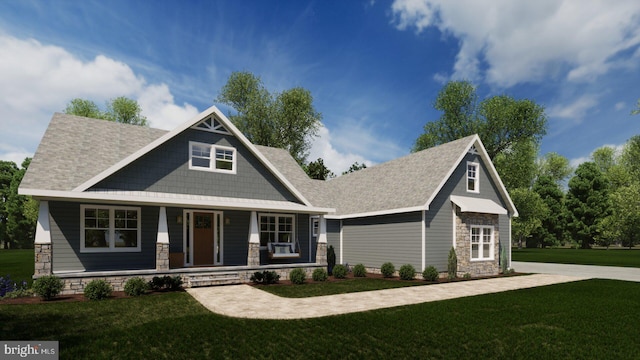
x=253, y=256
x=42, y=244
x=321, y=248
x=162, y=241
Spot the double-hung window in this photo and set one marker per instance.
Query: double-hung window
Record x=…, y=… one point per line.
x=109, y=228
x=209, y=157
x=482, y=243
x=276, y=228
x=473, y=184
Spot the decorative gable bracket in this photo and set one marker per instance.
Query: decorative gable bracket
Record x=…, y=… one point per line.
x=473, y=150
x=213, y=125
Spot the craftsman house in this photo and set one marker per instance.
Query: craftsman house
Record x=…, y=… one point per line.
x=203, y=202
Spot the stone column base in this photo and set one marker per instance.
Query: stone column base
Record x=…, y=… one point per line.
x=42, y=259
x=253, y=257
x=321, y=254
x=162, y=256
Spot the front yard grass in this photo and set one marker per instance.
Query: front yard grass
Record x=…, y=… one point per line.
x=603, y=257
x=592, y=319
x=18, y=264
x=338, y=287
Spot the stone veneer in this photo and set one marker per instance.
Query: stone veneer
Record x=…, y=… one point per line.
x=42, y=259
x=253, y=257
x=162, y=256
x=321, y=253
x=463, y=244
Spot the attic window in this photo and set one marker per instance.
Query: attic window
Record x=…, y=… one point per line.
x=209, y=157
x=473, y=184
x=213, y=125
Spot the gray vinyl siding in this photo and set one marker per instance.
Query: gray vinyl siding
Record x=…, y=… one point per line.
x=175, y=230
x=439, y=217
x=236, y=237
x=375, y=240
x=166, y=169
x=65, y=236
x=333, y=236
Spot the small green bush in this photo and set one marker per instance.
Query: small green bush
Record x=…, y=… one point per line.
x=174, y=283
x=135, y=286
x=359, y=270
x=331, y=259
x=503, y=260
x=466, y=276
x=97, y=289
x=165, y=283
x=339, y=271
x=452, y=264
x=430, y=273
x=297, y=276
x=319, y=275
x=387, y=269
x=265, y=277
x=48, y=286
x=407, y=272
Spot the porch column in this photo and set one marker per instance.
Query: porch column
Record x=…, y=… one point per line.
x=321, y=249
x=42, y=244
x=162, y=241
x=253, y=256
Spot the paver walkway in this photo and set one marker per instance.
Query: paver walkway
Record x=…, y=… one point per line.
x=245, y=301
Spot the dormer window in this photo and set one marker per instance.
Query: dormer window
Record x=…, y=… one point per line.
x=473, y=184
x=209, y=157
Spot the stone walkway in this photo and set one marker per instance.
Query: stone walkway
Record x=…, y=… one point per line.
x=245, y=301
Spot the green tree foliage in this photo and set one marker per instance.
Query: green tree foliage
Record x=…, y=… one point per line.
x=355, y=167
x=318, y=171
x=287, y=120
x=555, y=166
x=587, y=203
x=623, y=224
x=553, y=221
x=18, y=213
x=7, y=172
x=630, y=158
x=636, y=111
x=531, y=209
x=120, y=109
x=517, y=165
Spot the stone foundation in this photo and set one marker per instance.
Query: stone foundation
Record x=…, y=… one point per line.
x=253, y=257
x=321, y=254
x=42, y=259
x=162, y=256
x=463, y=244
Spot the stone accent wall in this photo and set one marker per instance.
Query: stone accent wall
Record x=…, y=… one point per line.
x=42, y=259
x=162, y=256
x=321, y=253
x=463, y=244
x=253, y=256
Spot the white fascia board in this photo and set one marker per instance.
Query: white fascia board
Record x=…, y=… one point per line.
x=478, y=205
x=175, y=200
x=213, y=110
x=378, y=213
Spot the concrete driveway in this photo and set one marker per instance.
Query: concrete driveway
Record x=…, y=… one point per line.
x=590, y=271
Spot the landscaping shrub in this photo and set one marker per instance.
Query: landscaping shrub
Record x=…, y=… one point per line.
x=503, y=260
x=165, y=283
x=157, y=283
x=265, y=277
x=97, y=289
x=407, y=272
x=430, y=273
x=359, y=271
x=387, y=269
x=48, y=286
x=6, y=285
x=319, y=275
x=297, y=276
x=466, y=276
x=174, y=283
x=339, y=271
x=11, y=289
x=452, y=264
x=135, y=286
x=331, y=259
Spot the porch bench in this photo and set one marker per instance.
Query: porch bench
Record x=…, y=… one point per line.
x=282, y=250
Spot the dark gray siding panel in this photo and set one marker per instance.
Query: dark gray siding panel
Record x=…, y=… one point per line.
x=65, y=236
x=236, y=237
x=175, y=230
x=376, y=240
x=333, y=236
x=166, y=169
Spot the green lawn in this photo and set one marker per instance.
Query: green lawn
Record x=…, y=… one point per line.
x=611, y=257
x=339, y=287
x=592, y=319
x=17, y=263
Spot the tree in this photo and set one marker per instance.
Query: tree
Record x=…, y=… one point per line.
x=7, y=172
x=21, y=213
x=630, y=157
x=120, y=109
x=517, y=165
x=501, y=121
x=531, y=209
x=636, y=111
x=355, y=167
x=318, y=171
x=587, y=203
x=624, y=222
x=553, y=221
x=555, y=166
x=287, y=120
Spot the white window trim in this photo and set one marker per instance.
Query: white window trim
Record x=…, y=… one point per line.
x=477, y=178
x=293, y=226
x=481, y=243
x=111, y=238
x=212, y=158
x=315, y=226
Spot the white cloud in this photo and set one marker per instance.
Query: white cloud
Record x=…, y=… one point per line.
x=620, y=105
x=37, y=80
x=333, y=159
x=576, y=110
x=579, y=160
x=529, y=41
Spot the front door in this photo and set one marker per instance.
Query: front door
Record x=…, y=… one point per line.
x=203, y=238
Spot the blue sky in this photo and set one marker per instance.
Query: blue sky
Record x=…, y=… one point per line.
x=374, y=68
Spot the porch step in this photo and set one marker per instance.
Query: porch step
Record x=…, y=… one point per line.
x=209, y=279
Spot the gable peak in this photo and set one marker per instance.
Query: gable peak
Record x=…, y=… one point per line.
x=211, y=124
